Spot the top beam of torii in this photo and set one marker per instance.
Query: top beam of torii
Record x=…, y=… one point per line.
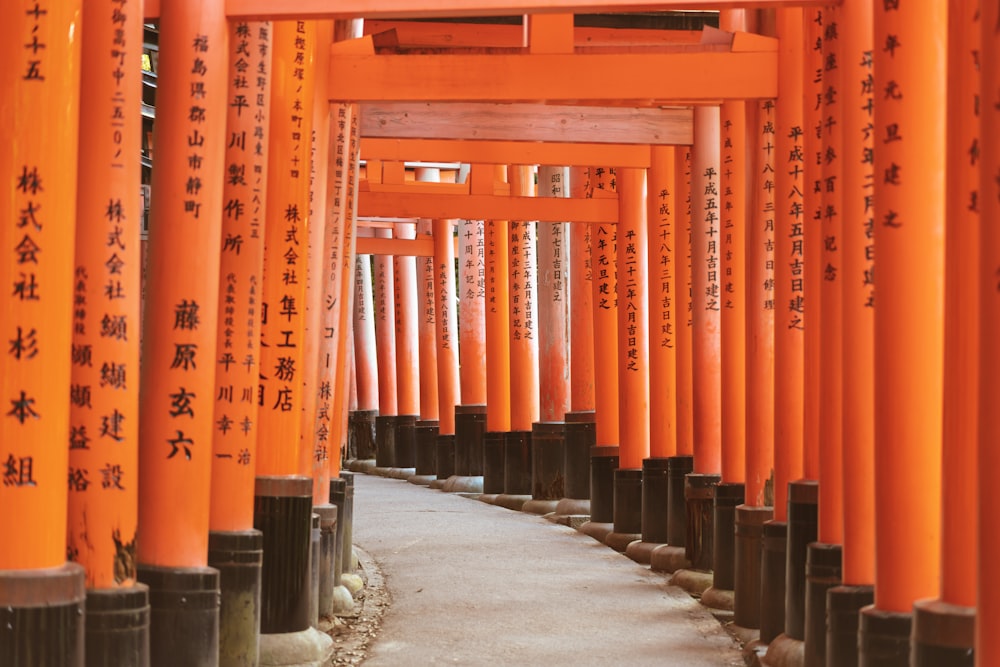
x=347, y=9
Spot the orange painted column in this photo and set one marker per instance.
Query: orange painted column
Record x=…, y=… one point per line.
x=988, y=620
x=909, y=71
x=552, y=270
x=789, y=278
x=472, y=302
x=103, y=471
x=365, y=358
x=404, y=271
x=385, y=331
x=522, y=271
x=180, y=329
x=760, y=306
x=813, y=202
x=498, y=375
x=244, y=196
x=706, y=296
x=40, y=84
x=685, y=326
x=663, y=252
x=314, y=452
x=286, y=251
x=604, y=262
x=446, y=325
x=427, y=333
x=581, y=296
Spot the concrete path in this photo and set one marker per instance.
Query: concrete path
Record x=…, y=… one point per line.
x=473, y=584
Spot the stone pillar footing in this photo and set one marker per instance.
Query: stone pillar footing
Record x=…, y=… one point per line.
x=599, y=530
x=463, y=484
x=695, y=582
x=668, y=558
x=512, y=501
x=784, y=651
x=184, y=614
x=719, y=599
x=346, y=521
x=328, y=547
x=641, y=551
x=307, y=648
x=238, y=556
x=118, y=627
x=884, y=638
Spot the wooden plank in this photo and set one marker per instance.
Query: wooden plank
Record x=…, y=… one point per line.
x=505, y=152
x=415, y=187
x=647, y=79
x=487, y=207
x=422, y=246
x=526, y=122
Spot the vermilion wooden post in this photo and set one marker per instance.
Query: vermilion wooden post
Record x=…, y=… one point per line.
x=385, y=352
x=944, y=628
x=365, y=357
x=179, y=335
x=234, y=544
x=789, y=303
x=909, y=226
x=706, y=300
x=497, y=349
x=470, y=416
x=857, y=98
x=733, y=320
x=685, y=327
x=404, y=273
x=427, y=427
x=283, y=494
x=40, y=85
x=524, y=332
x=446, y=327
x=633, y=357
x=988, y=613
x=604, y=263
x=548, y=435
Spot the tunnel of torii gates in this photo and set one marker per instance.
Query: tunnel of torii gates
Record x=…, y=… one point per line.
x=617, y=273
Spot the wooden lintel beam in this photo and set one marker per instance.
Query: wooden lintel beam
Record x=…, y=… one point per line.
x=526, y=122
x=487, y=207
x=618, y=78
x=505, y=152
x=422, y=246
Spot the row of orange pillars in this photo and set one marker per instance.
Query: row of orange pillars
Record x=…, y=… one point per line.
x=713, y=373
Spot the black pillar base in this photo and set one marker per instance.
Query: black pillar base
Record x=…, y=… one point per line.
x=238, y=557
x=884, y=638
x=774, y=560
x=470, y=431
x=405, y=442
x=315, y=542
x=445, y=460
x=823, y=563
x=603, y=463
x=627, y=509
x=346, y=519
x=803, y=516
x=283, y=512
x=678, y=468
x=118, y=627
x=580, y=435
x=699, y=493
x=338, y=498
x=385, y=443
x=361, y=437
x=425, y=440
x=493, y=462
x=749, y=531
x=727, y=497
x=655, y=491
x=327, y=557
x=41, y=617
x=184, y=615
x=843, y=607
x=943, y=634
x=548, y=480
x=516, y=470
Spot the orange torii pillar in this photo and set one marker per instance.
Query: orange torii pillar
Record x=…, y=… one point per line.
x=857, y=98
x=909, y=128
x=362, y=422
x=385, y=352
x=498, y=378
x=284, y=495
x=470, y=416
x=427, y=428
x=42, y=595
x=789, y=313
x=823, y=557
x=234, y=546
x=179, y=336
x=706, y=299
x=673, y=555
x=103, y=471
x=365, y=363
x=604, y=455
x=759, y=470
x=633, y=358
x=944, y=627
x=662, y=304
x=523, y=304
x=404, y=274
x=446, y=329
x=732, y=250
x=988, y=613
x=579, y=428
x=548, y=438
